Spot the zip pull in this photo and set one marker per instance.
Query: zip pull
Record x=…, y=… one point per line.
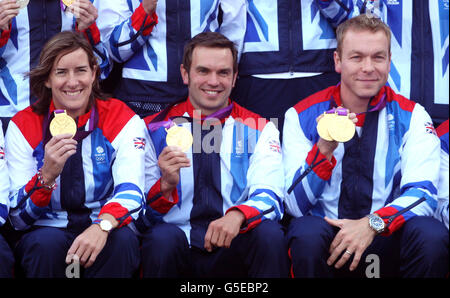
x=394, y=216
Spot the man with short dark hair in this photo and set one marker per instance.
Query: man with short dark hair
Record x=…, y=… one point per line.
x=213, y=207
x=374, y=194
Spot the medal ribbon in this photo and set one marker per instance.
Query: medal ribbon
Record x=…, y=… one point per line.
x=219, y=115
x=343, y=112
x=79, y=135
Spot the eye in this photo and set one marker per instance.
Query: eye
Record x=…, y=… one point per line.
x=60, y=72
x=202, y=70
x=82, y=69
x=224, y=73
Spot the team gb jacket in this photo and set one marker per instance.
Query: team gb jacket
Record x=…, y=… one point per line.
x=112, y=173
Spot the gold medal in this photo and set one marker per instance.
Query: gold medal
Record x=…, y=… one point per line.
x=68, y=2
x=22, y=3
x=342, y=129
x=324, y=123
x=179, y=136
x=62, y=123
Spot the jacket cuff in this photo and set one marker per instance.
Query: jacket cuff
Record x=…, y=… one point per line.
x=92, y=33
x=158, y=202
x=119, y=212
x=40, y=195
x=4, y=37
x=138, y=18
x=252, y=217
x=395, y=225
x=325, y=168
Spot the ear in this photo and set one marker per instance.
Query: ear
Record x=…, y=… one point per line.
x=184, y=75
x=337, y=62
x=47, y=84
x=234, y=79
x=390, y=57
x=94, y=72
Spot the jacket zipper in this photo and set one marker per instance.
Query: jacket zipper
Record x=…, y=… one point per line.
x=393, y=217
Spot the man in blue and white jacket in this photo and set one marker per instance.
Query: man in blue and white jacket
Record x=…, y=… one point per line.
x=6, y=256
x=420, y=44
x=346, y=197
x=23, y=34
x=287, y=55
x=214, y=209
x=149, y=39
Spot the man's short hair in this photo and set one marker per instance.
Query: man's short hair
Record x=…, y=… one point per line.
x=208, y=40
x=362, y=22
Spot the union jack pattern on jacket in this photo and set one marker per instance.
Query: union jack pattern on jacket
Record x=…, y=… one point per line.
x=391, y=169
x=113, y=167
x=250, y=171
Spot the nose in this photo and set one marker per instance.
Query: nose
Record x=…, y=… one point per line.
x=367, y=65
x=72, y=80
x=213, y=79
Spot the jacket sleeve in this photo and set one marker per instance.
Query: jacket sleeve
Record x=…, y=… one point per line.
x=28, y=199
x=158, y=203
x=234, y=22
x=336, y=12
x=128, y=171
x=443, y=190
x=4, y=37
x=125, y=30
x=4, y=181
x=263, y=196
x=420, y=163
x=92, y=34
x=299, y=155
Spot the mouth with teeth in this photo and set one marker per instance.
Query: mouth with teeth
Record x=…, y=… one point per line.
x=211, y=92
x=72, y=93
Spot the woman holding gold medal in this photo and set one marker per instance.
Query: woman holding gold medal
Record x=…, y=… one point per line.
x=77, y=169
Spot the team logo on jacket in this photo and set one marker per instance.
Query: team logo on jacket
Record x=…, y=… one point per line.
x=2, y=153
x=139, y=143
x=430, y=128
x=274, y=146
x=100, y=155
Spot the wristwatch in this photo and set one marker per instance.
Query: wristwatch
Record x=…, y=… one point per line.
x=104, y=224
x=376, y=223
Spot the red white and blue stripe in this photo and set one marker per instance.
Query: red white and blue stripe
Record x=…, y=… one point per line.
x=245, y=174
x=113, y=168
x=391, y=164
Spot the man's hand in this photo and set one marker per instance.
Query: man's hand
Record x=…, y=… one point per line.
x=149, y=6
x=353, y=238
x=85, y=12
x=88, y=245
x=170, y=161
x=222, y=231
x=57, y=151
x=327, y=147
x=8, y=10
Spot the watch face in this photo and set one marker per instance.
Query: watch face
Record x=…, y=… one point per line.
x=377, y=223
x=106, y=225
